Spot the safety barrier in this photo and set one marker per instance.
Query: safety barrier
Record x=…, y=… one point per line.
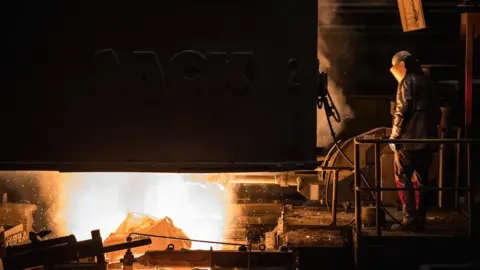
x=378, y=183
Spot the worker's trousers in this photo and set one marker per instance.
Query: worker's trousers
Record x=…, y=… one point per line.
x=406, y=165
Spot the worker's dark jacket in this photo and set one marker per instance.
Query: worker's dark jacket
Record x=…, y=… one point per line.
x=417, y=112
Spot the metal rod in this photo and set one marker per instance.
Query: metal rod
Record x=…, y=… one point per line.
x=73, y=265
x=335, y=197
x=469, y=30
x=252, y=180
x=381, y=181
x=457, y=171
x=415, y=141
x=470, y=198
x=407, y=189
x=127, y=245
x=358, y=202
x=358, y=199
x=333, y=169
x=185, y=239
x=377, y=189
x=440, y=171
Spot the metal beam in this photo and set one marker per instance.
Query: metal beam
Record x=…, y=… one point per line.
x=471, y=26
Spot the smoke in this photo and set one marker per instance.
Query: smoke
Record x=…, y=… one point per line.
x=326, y=14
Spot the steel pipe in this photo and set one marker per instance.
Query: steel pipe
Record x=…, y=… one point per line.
x=470, y=198
x=378, y=190
x=276, y=179
x=252, y=180
x=335, y=198
x=358, y=199
x=457, y=170
x=332, y=169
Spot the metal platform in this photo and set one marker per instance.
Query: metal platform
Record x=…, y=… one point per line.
x=409, y=252
x=445, y=241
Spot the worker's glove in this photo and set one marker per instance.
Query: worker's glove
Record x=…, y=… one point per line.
x=393, y=146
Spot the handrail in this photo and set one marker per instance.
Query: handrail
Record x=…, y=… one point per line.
x=406, y=189
x=414, y=141
x=378, y=183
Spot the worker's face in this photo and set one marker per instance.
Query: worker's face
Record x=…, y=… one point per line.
x=399, y=71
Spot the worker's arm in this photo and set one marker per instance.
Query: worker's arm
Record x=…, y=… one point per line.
x=402, y=108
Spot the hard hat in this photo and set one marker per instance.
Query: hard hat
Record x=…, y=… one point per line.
x=400, y=56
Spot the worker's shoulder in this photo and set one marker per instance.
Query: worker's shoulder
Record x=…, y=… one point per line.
x=415, y=76
x=418, y=79
x=408, y=79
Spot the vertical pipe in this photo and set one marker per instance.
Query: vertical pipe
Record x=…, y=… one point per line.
x=440, y=169
x=377, y=189
x=467, y=18
x=457, y=171
x=470, y=198
x=469, y=32
x=335, y=197
x=358, y=200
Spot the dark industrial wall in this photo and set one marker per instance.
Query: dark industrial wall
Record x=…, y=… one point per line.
x=119, y=87
x=371, y=111
x=365, y=34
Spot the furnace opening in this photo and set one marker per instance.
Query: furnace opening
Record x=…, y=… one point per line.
x=116, y=203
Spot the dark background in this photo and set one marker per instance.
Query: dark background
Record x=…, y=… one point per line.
x=366, y=34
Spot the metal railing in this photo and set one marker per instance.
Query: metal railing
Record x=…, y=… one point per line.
x=334, y=206
x=378, y=189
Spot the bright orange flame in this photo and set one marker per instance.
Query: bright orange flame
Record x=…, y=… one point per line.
x=89, y=201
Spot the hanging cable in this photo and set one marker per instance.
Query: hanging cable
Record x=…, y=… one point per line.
x=325, y=101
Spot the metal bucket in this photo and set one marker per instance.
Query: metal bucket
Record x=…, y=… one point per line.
x=369, y=216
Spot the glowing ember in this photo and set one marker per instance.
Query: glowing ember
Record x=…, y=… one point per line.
x=89, y=201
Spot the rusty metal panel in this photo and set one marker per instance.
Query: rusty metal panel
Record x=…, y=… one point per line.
x=178, y=86
x=16, y=235
x=411, y=15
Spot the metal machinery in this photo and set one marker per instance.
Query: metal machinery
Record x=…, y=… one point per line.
x=112, y=82
x=164, y=88
x=51, y=254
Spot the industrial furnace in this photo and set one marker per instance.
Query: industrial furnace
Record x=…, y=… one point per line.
x=117, y=88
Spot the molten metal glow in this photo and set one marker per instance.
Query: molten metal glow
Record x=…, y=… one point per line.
x=91, y=201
